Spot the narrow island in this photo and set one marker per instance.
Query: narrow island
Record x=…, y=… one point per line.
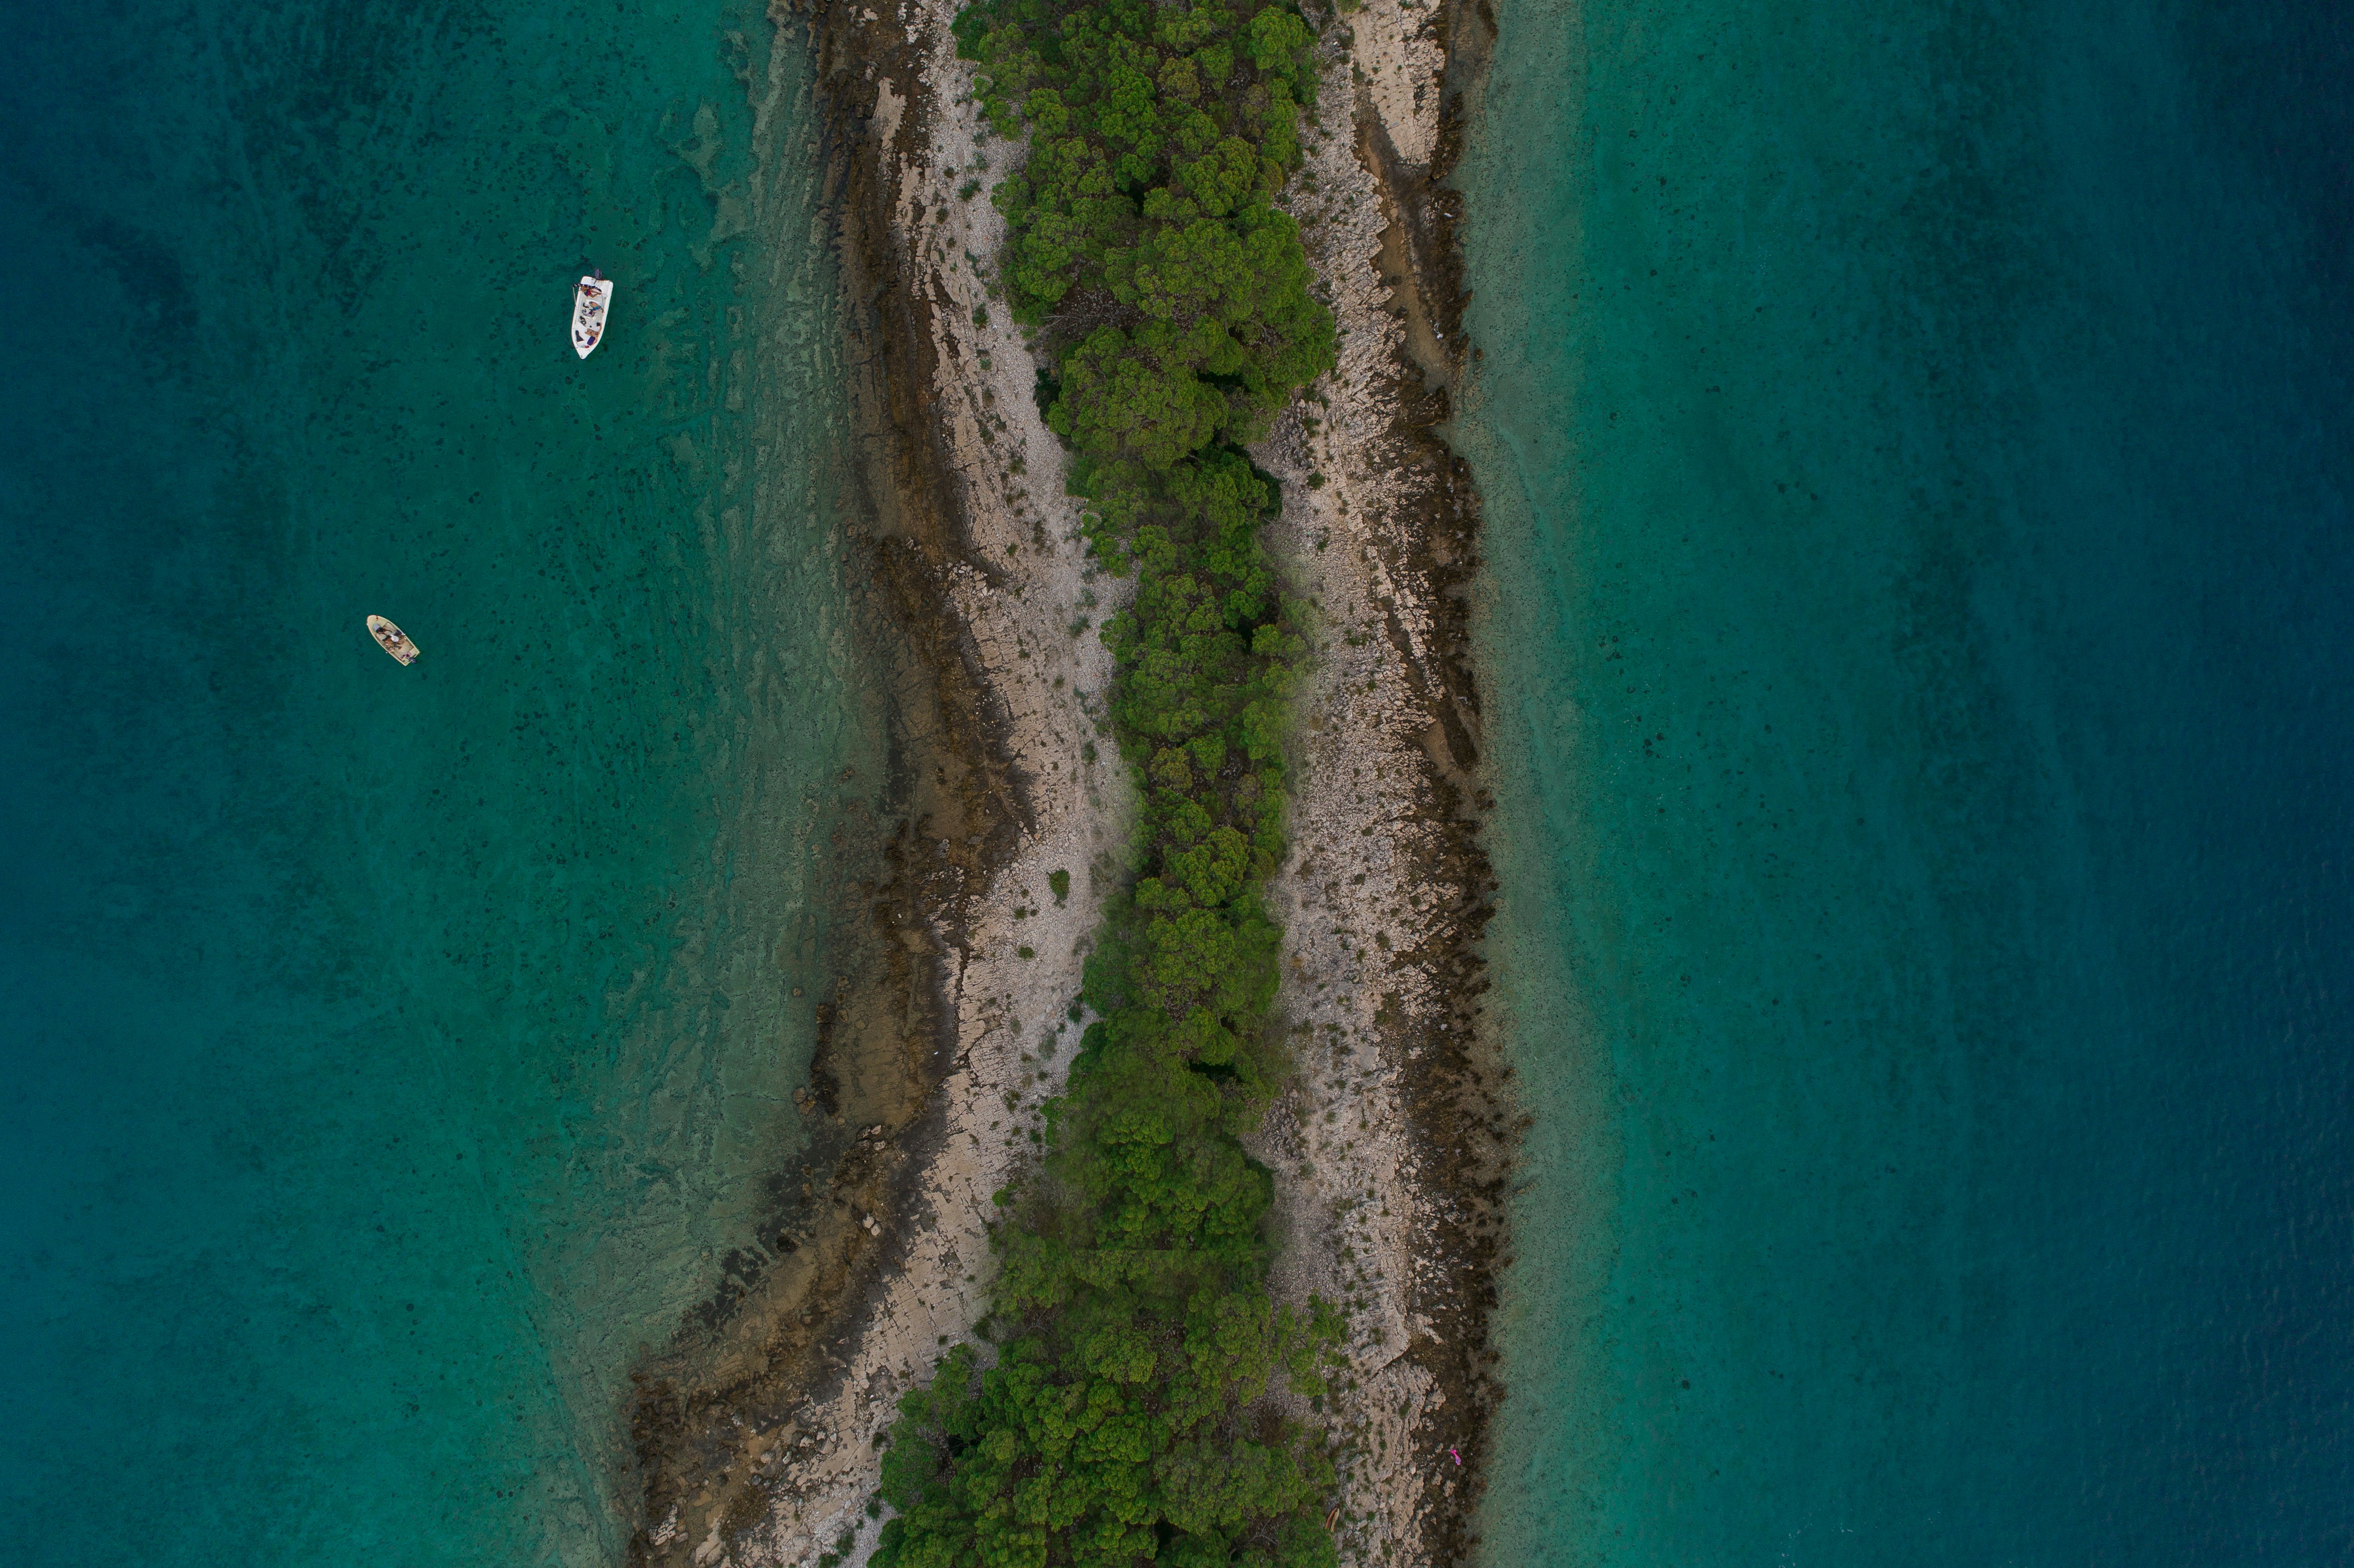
x=1155, y=1191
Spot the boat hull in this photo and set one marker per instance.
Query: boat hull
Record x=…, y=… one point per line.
x=593, y=308
x=392, y=639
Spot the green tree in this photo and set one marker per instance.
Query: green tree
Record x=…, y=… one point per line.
x=1125, y=1418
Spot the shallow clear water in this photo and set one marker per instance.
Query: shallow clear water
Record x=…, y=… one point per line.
x=394, y=1053
x=1918, y=448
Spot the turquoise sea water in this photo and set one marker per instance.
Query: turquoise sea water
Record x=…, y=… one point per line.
x=391, y=1053
x=1919, y=446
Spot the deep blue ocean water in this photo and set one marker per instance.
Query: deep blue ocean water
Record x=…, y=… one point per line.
x=1918, y=445
x=392, y=1053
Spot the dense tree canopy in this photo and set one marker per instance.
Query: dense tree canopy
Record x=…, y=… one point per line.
x=1159, y=136
x=1126, y=1416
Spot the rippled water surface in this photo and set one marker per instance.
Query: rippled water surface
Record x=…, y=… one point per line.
x=1918, y=446
x=394, y=1053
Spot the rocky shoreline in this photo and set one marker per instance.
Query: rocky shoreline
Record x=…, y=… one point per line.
x=754, y=1432
x=1393, y=1153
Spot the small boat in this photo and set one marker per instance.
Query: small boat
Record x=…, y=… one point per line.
x=392, y=639
x=590, y=302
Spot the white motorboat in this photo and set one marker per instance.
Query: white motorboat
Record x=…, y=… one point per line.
x=592, y=305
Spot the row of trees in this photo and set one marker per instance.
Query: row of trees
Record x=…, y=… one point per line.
x=1126, y=1416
